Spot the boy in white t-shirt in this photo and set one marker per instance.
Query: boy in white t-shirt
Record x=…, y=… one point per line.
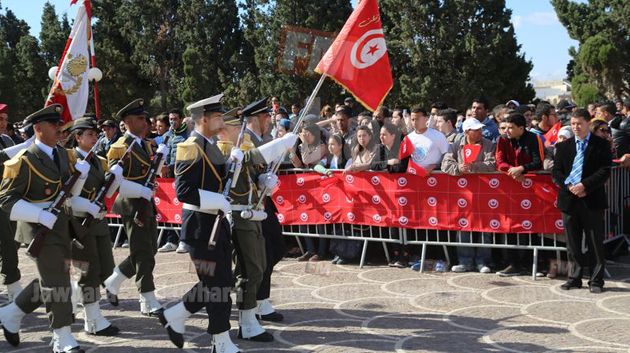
x=429, y=144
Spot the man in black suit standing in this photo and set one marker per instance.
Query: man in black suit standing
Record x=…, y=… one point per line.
x=581, y=168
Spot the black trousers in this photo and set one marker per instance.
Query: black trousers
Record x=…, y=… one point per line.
x=275, y=247
x=8, y=251
x=214, y=270
x=579, y=221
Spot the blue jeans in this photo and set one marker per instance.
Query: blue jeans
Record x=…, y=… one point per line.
x=470, y=256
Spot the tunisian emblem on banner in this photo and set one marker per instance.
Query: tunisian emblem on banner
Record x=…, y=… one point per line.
x=71, y=87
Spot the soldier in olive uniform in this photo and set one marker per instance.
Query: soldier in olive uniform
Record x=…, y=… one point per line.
x=275, y=247
x=8, y=247
x=134, y=204
x=32, y=179
x=95, y=260
x=200, y=170
x=247, y=235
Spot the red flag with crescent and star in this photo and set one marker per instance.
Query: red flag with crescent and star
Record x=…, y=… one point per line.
x=358, y=59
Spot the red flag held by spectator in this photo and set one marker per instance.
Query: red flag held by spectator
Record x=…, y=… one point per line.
x=415, y=169
x=406, y=148
x=471, y=152
x=552, y=135
x=358, y=59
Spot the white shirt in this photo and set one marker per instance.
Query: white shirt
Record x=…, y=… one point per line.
x=82, y=152
x=429, y=147
x=47, y=149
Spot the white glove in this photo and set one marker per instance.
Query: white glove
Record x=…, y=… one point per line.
x=81, y=204
x=162, y=149
x=116, y=170
x=13, y=150
x=132, y=190
x=267, y=180
x=47, y=219
x=236, y=155
x=146, y=193
x=289, y=140
x=209, y=200
x=83, y=167
x=274, y=149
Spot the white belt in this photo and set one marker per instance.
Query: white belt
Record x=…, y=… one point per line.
x=241, y=207
x=196, y=208
x=45, y=205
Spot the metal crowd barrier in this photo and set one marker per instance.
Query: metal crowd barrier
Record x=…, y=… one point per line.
x=617, y=188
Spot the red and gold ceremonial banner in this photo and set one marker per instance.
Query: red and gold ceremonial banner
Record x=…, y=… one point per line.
x=476, y=202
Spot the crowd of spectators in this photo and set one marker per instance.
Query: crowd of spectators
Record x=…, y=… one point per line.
x=514, y=138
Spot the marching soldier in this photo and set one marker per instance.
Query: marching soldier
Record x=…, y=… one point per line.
x=199, y=177
x=247, y=235
x=95, y=259
x=135, y=205
x=275, y=247
x=8, y=247
x=31, y=180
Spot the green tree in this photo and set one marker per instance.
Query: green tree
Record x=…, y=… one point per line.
x=452, y=50
x=30, y=73
x=122, y=80
x=192, y=76
x=601, y=66
x=53, y=36
x=212, y=30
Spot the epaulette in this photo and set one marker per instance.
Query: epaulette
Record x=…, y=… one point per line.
x=12, y=166
x=225, y=147
x=103, y=163
x=247, y=143
x=117, y=150
x=72, y=157
x=187, y=150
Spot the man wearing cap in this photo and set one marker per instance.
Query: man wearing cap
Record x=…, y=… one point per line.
x=248, y=234
x=200, y=171
x=471, y=258
x=135, y=205
x=258, y=122
x=275, y=247
x=8, y=248
x=32, y=179
x=110, y=129
x=95, y=260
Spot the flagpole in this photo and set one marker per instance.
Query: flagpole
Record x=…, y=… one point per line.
x=97, y=100
x=309, y=103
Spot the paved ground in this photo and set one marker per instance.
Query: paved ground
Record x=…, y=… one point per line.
x=330, y=308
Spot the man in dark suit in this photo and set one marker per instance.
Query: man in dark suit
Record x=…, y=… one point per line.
x=581, y=168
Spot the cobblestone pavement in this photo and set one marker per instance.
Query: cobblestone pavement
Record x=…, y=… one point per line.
x=333, y=308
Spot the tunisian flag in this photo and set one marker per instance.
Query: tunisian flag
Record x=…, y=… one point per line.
x=552, y=135
x=358, y=59
x=71, y=87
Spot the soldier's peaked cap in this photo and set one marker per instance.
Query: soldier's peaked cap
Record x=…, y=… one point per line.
x=232, y=117
x=136, y=107
x=256, y=107
x=51, y=113
x=208, y=105
x=84, y=124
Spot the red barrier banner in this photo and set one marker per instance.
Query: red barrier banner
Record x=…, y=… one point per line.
x=169, y=209
x=476, y=202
